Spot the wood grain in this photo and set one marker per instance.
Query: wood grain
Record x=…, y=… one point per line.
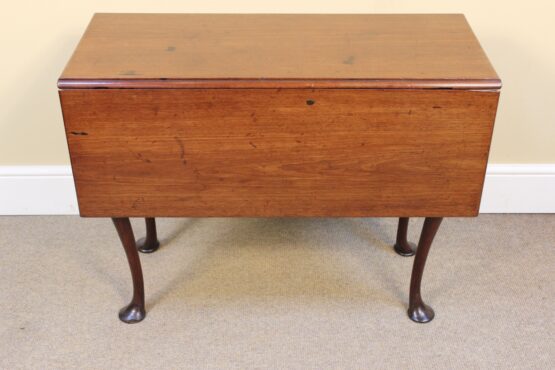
x=279, y=51
x=278, y=152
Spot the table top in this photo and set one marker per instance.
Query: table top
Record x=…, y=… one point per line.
x=279, y=51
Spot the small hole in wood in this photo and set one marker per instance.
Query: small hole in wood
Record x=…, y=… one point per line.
x=310, y=102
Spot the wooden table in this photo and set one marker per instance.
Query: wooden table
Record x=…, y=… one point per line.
x=188, y=115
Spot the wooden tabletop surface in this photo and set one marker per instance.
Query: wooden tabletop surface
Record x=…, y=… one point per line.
x=279, y=51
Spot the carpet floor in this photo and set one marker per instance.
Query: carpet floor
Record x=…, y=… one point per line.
x=278, y=294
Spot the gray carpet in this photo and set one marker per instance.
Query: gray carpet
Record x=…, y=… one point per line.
x=277, y=294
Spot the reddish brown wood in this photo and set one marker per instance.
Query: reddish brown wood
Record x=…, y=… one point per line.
x=262, y=152
x=278, y=115
x=150, y=242
x=135, y=310
x=266, y=83
x=402, y=246
x=419, y=311
x=279, y=51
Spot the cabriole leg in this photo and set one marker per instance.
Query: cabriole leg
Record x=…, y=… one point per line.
x=150, y=243
x=135, y=311
x=402, y=246
x=418, y=311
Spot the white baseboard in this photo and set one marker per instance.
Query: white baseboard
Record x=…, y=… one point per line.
x=519, y=188
x=49, y=190
x=37, y=190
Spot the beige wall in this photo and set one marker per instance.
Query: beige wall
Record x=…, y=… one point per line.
x=37, y=38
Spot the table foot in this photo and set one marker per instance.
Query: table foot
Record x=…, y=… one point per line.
x=402, y=246
x=135, y=311
x=149, y=243
x=418, y=310
x=132, y=313
x=405, y=250
x=421, y=313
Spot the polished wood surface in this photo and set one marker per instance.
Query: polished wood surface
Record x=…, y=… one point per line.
x=135, y=310
x=150, y=242
x=419, y=311
x=260, y=152
x=279, y=51
x=402, y=246
x=278, y=115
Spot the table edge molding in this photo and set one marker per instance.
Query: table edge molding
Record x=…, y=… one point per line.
x=448, y=84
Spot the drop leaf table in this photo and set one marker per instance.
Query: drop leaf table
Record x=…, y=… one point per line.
x=197, y=115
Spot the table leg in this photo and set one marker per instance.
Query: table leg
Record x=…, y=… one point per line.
x=402, y=246
x=150, y=243
x=418, y=311
x=134, y=311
